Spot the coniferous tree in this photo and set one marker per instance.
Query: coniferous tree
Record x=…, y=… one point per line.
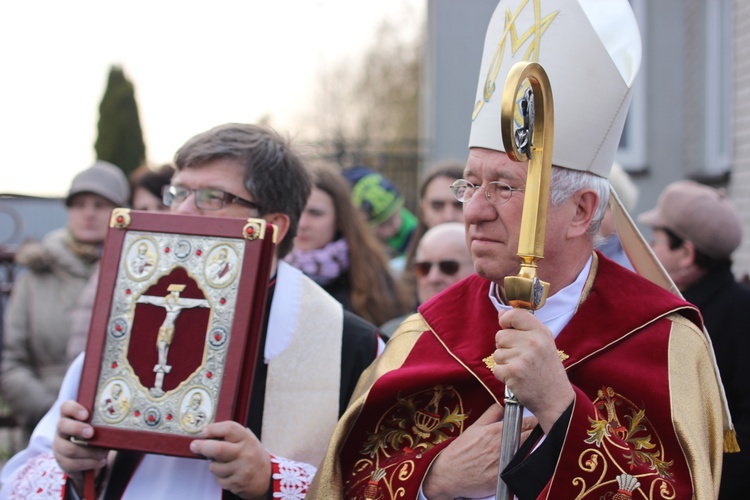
x=120, y=140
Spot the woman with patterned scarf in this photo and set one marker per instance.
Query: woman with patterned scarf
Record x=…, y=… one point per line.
x=37, y=318
x=335, y=247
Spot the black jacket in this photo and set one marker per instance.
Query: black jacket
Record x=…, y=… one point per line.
x=725, y=306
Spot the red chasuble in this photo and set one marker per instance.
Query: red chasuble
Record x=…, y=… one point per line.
x=624, y=436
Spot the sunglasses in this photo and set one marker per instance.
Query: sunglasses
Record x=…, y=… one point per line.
x=447, y=267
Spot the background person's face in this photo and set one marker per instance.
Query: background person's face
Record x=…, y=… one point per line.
x=436, y=280
x=439, y=205
x=389, y=228
x=144, y=200
x=317, y=225
x=88, y=217
x=672, y=260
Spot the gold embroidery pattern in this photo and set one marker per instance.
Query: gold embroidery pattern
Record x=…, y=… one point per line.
x=415, y=424
x=618, y=417
x=489, y=361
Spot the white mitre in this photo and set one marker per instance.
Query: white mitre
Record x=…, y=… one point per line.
x=591, y=51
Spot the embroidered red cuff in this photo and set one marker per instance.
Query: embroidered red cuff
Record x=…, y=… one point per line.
x=290, y=479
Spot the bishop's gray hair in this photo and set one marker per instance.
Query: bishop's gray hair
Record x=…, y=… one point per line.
x=565, y=182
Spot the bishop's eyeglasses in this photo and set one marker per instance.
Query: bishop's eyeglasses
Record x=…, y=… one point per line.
x=496, y=192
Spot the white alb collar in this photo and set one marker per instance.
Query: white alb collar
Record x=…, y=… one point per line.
x=285, y=307
x=560, y=307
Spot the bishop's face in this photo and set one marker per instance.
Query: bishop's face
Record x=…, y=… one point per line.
x=492, y=230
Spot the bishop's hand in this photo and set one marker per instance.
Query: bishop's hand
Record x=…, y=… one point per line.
x=467, y=467
x=528, y=363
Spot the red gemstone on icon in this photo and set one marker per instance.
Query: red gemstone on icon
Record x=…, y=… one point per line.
x=250, y=230
x=118, y=328
x=217, y=337
x=137, y=413
x=169, y=416
x=222, y=301
x=166, y=250
x=120, y=218
x=127, y=292
x=209, y=374
x=151, y=418
x=198, y=253
x=114, y=364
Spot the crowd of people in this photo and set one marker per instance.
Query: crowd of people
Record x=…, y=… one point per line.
x=389, y=345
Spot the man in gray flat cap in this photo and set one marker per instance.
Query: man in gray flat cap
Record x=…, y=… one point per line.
x=695, y=231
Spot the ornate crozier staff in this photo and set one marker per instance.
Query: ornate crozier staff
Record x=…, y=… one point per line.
x=532, y=142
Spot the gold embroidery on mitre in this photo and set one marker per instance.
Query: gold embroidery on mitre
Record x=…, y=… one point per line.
x=561, y=354
x=532, y=35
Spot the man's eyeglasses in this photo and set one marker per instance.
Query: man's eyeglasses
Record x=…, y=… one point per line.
x=205, y=198
x=497, y=192
x=447, y=267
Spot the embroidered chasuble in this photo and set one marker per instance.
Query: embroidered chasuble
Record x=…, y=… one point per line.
x=646, y=396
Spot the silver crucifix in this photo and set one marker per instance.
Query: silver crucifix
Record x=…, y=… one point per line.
x=174, y=304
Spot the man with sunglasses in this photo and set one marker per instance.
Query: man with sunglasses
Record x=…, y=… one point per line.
x=615, y=373
x=442, y=259
x=311, y=354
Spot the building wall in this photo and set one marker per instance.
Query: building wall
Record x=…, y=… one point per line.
x=740, y=184
x=665, y=81
x=453, y=53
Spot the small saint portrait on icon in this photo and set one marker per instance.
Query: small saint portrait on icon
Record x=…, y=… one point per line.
x=114, y=401
x=195, y=410
x=141, y=259
x=183, y=249
x=221, y=266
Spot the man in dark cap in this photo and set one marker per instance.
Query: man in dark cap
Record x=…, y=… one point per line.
x=695, y=231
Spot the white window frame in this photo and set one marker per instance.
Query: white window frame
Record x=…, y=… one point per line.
x=632, y=156
x=719, y=98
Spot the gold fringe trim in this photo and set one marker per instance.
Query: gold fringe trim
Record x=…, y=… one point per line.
x=730, y=442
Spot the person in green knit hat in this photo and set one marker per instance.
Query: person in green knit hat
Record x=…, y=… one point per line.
x=383, y=207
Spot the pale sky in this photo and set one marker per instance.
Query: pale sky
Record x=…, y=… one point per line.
x=194, y=65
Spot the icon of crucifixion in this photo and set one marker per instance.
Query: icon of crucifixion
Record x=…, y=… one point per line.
x=174, y=304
